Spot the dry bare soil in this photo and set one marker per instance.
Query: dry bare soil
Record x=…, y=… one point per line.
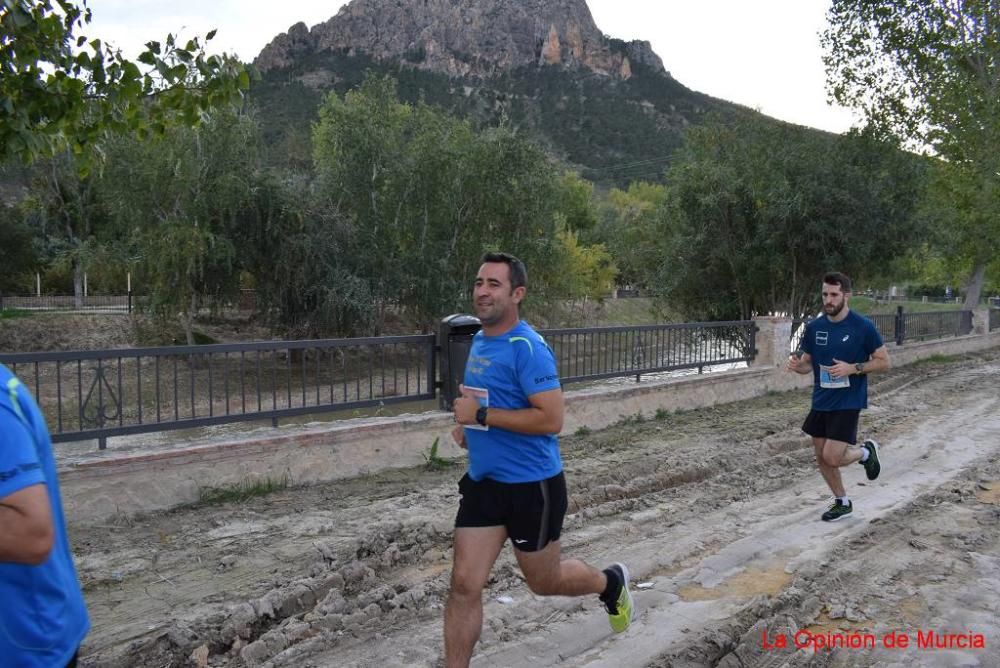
x=715, y=511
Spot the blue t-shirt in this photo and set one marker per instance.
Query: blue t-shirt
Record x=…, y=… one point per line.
x=503, y=371
x=851, y=340
x=43, y=619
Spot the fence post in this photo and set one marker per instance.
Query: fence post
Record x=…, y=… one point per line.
x=454, y=342
x=771, y=339
x=130, y=301
x=1, y=300
x=900, y=326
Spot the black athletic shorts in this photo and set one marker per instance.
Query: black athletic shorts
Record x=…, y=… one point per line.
x=532, y=512
x=833, y=425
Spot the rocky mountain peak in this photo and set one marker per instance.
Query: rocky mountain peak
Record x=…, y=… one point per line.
x=465, y=37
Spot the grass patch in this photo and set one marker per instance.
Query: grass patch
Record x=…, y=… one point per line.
x=12, y=313
x=433, y=461
x=661, y=414
x=867, y=306
x=938, y=359
x=243, y=491
x=583, y=431
x=636, y=418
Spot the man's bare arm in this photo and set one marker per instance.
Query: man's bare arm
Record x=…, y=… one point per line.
x=26, y=531
x=878, y=363
x=544, y=416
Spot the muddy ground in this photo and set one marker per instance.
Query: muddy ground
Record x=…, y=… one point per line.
x=715, y=511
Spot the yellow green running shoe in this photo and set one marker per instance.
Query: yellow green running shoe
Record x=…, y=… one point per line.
x=620, y=608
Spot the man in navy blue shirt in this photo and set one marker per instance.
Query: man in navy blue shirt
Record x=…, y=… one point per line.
x=840, y=348
x=43, y=618
x=508, y=416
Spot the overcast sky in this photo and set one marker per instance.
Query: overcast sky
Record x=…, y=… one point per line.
x=764, y=54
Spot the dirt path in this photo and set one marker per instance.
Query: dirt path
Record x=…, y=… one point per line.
x=715, y=511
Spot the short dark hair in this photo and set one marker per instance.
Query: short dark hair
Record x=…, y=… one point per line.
x=837, y=278
x=518, y=274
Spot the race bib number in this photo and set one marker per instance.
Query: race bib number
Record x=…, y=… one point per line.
x=829, y=382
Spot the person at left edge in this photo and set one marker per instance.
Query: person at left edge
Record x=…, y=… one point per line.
x=43, y=618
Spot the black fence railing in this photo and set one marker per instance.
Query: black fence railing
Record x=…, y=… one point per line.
x=934, y=325
x=887, y=325
x=99, y=394
x=994, y=318
x=123, y=303
x=900, y=326
x=608, y=352
x=105, y=393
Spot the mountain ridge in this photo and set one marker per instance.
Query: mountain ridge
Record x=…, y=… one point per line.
x=595, y=103
x=465, y=37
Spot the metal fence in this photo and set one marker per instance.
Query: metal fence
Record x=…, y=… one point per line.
x=901, y=327
x=608, y=352
x=994, y=318
x=934, y=325
x=886, y=324
x=123, y=303
x=100, y=394
x=105, y=393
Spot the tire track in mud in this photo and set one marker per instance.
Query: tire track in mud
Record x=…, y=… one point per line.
x=317, y=575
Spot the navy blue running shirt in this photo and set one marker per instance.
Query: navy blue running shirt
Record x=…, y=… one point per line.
x=851, y=340
x=502, y=372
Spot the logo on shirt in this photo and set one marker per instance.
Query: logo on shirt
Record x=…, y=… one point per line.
x=821, y=338
x=846, y=336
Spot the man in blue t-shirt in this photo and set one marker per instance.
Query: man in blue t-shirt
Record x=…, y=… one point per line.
x=840, y=348
x=508, y=416
x=43, y=619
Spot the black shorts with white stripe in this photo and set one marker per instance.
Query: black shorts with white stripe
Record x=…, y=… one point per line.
x=532, y=512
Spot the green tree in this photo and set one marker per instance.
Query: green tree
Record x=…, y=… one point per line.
x=187, y=204
x=575, y=200
x=749, y=230
x=61, y=90
x=584, y=271
x=628, y=229
x=70, y=219
x=17, y=254
x=930, y=70
x=419, y=196
x=957, y=211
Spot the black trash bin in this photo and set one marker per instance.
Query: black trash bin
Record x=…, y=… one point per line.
x=454, y=340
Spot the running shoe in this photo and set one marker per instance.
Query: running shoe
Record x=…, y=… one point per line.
x=837, y=511
x=872, y=465
x=620, y=608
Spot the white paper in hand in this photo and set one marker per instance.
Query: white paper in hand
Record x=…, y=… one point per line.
x=482, y=395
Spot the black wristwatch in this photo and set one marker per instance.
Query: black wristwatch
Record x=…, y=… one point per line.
x=481, y=415
x=860, y=367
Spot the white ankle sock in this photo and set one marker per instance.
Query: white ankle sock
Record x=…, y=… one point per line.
x=844, y=501
x=864, y=454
